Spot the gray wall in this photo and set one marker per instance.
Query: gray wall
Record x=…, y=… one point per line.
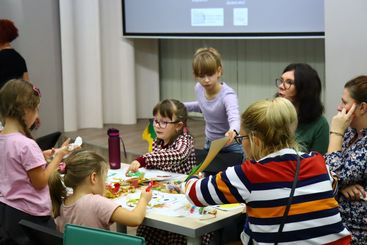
x=39, y=44
x=250, y=66
x=345, y=46
x=345, y=55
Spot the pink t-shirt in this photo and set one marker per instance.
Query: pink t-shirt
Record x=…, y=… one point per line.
x=18, y=155
x=90, y=210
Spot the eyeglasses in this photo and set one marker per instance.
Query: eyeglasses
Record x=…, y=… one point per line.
x=37, y=91
x=163, y=124
x=239, y=138
x=287, y=83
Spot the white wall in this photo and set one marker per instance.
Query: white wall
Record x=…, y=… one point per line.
x=113, y=81
x=39, y=44
x=345, y=47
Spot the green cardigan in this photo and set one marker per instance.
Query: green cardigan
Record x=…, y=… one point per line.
x=314, y=136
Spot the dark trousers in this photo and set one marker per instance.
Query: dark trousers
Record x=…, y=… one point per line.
x=11, y=232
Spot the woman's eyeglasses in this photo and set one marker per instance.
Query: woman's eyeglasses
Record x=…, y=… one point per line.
x=163, y=124
x=287, y=83
x=239, y=138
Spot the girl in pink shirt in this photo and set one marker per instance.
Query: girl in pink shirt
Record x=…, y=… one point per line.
x=24, y=171
x=85, y=172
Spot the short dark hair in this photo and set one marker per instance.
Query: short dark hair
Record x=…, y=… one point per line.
x=8, y=31
x=308, y=88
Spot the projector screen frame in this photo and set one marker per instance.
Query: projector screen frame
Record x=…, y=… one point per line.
x=216, y=35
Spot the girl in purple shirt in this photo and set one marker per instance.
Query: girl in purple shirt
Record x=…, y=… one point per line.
x=215, y=99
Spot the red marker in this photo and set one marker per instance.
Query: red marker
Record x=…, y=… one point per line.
x=149, y=186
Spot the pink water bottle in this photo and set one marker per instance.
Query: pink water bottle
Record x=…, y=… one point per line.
x=114, y=152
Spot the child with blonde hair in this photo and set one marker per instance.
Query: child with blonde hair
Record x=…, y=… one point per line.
x=24, y=171
x=85, y=172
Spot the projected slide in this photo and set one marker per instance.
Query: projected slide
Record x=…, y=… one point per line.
x=223, y=17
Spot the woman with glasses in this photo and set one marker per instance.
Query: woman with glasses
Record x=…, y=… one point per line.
x=300, y=84
x=347, y=156
x=288, y=194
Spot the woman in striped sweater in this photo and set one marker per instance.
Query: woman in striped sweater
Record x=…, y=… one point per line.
x=264, y=182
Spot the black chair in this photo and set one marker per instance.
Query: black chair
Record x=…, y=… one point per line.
x=220, y=162
x=48, y=141
x=41, y=235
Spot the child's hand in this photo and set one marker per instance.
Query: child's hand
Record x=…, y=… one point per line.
x=134, y=166
x=230, y=134
x=147, y=195
x=65, y=149
x=48, y=153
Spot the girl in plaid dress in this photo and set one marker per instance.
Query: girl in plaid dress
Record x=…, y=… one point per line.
x=173, y=151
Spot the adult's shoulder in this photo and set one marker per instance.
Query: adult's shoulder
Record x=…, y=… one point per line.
x=10, y=52
x=322, y=120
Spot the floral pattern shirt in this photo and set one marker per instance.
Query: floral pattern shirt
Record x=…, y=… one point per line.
x=350, y=164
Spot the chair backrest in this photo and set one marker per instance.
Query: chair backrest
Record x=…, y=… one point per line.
x=76, y=235
x=48, y=141
x=220, y=162
x=41, y=235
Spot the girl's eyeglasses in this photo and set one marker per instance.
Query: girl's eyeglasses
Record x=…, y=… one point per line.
x=163, y=124
x=239, y=138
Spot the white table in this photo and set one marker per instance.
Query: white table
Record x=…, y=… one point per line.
x=192, y=228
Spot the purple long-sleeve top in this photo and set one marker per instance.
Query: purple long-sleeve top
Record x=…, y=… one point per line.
x=221, y=113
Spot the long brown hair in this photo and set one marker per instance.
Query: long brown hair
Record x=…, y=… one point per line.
x=16, y=96
x=78, y=166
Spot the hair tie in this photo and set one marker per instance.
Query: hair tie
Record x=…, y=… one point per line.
x=62, y=168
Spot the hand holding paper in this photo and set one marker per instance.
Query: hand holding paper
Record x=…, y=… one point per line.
x=214, y=149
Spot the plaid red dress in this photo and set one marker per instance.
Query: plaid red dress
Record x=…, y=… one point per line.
x=178, y=157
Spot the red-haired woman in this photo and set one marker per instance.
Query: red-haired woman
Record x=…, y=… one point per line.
x=12, y=64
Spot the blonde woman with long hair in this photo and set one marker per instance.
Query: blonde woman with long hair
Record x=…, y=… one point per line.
x=288, y=193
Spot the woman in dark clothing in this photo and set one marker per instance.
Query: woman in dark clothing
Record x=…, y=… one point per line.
x=12, y=64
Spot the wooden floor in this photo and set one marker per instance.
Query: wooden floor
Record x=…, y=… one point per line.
x=97, y=139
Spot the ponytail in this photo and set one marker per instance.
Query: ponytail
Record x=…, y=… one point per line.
x=57, y=192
